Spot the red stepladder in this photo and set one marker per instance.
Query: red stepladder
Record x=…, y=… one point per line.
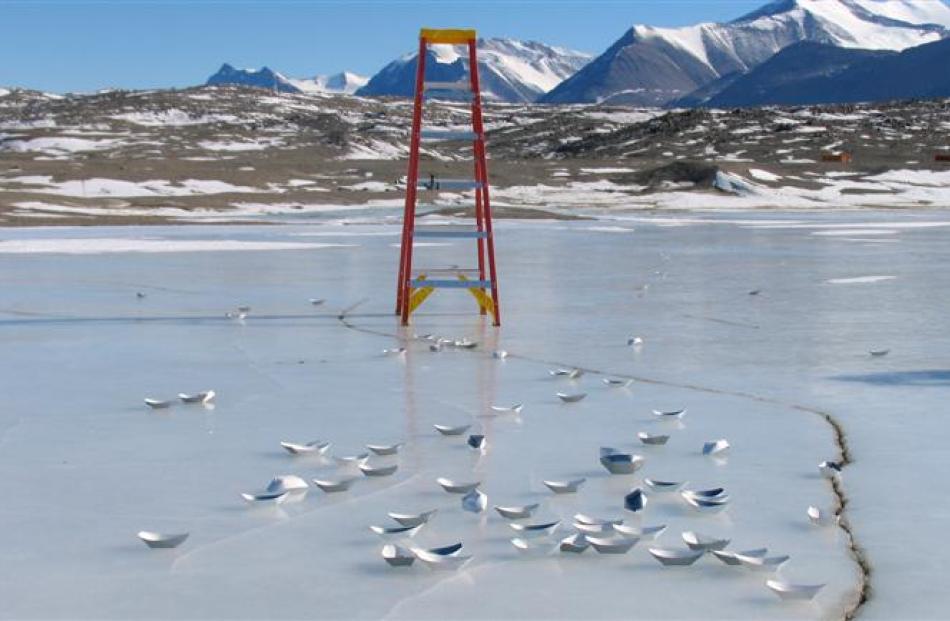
x=415, y=284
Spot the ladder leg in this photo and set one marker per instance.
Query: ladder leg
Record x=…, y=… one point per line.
x=412, y=181
x=480, y=226
x=482, y=168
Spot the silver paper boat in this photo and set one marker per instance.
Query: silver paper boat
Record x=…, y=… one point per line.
x=762, y=563
x=704, y=543
x=447, y=430
x=662, y=487
x=340, y=485
x=397, y=556
x=158, y=404
x=396, y=532
x=612, y=545
x=652, y=440
x=199, y=397
x=673, y=558
x=571, y=398
x=378, y=471
x=317, y=446
x=385, y=449
x=564, y=487
x=575, y=544
x=716, y=447
x=161, y=540
x=474, y=501
x=441, y=562
x=729, y=558
x=645, y=533
x=535, y=530
x=455, y=487
x=410, y=519
x=670, y=413
x=621, y=463
x=791, y=591
x=516, y=513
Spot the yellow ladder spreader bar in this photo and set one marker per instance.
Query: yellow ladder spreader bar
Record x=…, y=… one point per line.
x=452, y=36
x=484, y=300
x=422, y=294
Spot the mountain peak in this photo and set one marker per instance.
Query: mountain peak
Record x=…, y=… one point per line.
x=652, y=66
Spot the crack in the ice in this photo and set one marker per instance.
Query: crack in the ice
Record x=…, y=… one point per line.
x=858, y=554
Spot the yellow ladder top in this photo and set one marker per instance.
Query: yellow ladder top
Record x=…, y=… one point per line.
x=453, y=36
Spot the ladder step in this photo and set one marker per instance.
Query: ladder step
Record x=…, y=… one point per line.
x=451, y=284
x=457, y=96
x=442, y=271
x=461, y=85
x=448, y=231
x=436, y=134
x=450, y=184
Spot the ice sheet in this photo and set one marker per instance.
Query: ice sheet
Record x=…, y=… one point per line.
x=89, y=465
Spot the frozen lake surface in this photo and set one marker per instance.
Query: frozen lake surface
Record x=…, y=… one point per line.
x=86, y=464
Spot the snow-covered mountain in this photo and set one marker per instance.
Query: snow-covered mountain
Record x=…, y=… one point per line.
x=651, y=66
x=509, y=70
x=344, y=82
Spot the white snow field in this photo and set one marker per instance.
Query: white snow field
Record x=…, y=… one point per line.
x=87, y=465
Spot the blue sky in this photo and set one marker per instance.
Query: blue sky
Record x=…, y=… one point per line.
x=83, y=45
x=79, y=45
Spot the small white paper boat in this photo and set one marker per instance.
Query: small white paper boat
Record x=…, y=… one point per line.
x=455, y=487
x=617, y=382
x=199, y=397
x=516, y=513
x=582, y=518
x=465, y=344
x=729, y=558
x=395, y=533
x=612, y=545
x=275, y=497
x=634, y=341
x=708, y=506
x=158, y=404
x=317, y=301
x=350, y=460
x=652, y=440
x=646, y=533
x=514, y=409
x=791, y=591
x=317, y=446
x=571, y=398
x=568, y=373
x=440, y=562
x=394, y=351
x=635, y=501
x=829, y=469
x=398, y=556
x=378, y=471
x=340, y=485
x=621, y=463
x=674, y=558
x=474, y=501
x=534, y=547
x=564, y=487
x=385, y=449
x=542, y=529
x=499, y=354
x=716, y=447
x=878, y=353
x=670, y=413
x=449, y=550
x=598, y=530
x=287, y=483
x=575, y=544
x=413, y=519
x=161, y=540
x=447, y=430
x=704, y=543
x=762, y=563
x=663, y=487
x=706, y=494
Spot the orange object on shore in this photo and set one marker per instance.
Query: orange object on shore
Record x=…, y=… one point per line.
x=844, y=157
